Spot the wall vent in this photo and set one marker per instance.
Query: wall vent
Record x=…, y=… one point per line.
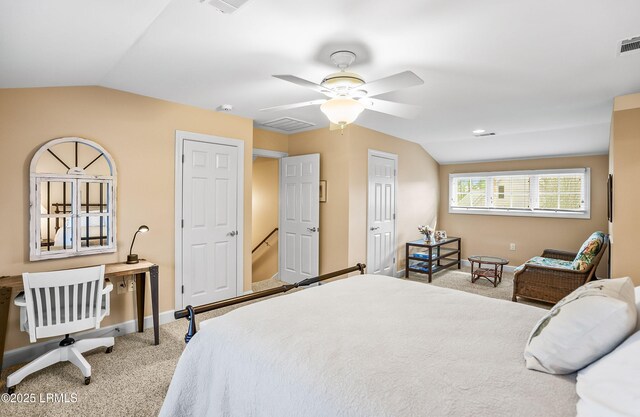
x=287, y=124
x=225, y=6
x=629, y=45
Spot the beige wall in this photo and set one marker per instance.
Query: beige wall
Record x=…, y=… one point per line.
x=264, y=194
x=625, y=155
x=273, y=141
x=491, y=235
x=417, y=193
x=334, y=214
x=139, y=132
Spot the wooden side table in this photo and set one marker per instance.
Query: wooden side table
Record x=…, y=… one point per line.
x=437, y=253
x=492, y=273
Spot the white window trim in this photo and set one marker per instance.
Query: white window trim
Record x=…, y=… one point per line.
x=583, y=214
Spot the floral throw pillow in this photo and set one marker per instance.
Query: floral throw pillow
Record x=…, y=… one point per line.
x=588, y=251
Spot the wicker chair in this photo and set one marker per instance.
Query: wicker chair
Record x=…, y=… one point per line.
x=549, y=284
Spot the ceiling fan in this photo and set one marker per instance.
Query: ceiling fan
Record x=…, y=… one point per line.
x=348, y=94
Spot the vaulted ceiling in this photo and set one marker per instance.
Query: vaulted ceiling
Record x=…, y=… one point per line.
x=541, y=74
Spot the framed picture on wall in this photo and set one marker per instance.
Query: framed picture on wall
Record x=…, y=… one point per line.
x=323, y=191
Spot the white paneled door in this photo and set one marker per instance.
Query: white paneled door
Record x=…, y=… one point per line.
x=299, y=235
x=210, y=232
x=381, y=215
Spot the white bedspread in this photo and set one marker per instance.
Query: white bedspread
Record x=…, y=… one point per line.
x=367, y=346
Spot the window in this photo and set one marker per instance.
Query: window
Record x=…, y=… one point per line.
x=472, y=192
x=560, y=192
x=72, y=200
x=511, y=192
x=545, y=193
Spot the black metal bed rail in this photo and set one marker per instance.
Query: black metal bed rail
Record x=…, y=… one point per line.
x=190, y=312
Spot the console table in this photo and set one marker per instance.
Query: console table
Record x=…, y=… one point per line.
x=437, y=251
x=13, y=284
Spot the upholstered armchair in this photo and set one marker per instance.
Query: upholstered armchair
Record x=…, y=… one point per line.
x=556, y=273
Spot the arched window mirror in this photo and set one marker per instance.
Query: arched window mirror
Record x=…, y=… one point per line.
x=72, y=200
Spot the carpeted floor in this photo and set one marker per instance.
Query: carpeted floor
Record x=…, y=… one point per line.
x=133, y=379
x=461, y=280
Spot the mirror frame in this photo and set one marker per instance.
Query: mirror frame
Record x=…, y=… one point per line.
x=74, y=174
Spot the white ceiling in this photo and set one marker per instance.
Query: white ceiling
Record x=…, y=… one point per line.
x=540, y=73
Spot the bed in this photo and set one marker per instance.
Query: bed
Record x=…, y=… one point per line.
x=367, y=346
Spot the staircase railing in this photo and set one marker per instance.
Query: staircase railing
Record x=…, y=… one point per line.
x=265, y=240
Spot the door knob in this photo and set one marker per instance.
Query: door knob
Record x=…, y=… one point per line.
x=232, y=233
x=312, y=229
x=374, y=228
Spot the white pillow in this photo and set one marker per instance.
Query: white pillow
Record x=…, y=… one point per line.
x=585, y=325
x=609, y=387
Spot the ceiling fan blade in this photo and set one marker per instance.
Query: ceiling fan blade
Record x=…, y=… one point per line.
x=391, y=83
x=295, y=105
x=406, y=111
x=303, y=83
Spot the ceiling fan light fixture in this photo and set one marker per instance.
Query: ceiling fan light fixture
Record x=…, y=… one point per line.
x=342, y=110
x=342, y=80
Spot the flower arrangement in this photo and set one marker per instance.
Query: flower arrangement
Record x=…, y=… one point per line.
x=427, y=231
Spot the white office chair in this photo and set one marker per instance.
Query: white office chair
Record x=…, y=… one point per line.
x=58, y=303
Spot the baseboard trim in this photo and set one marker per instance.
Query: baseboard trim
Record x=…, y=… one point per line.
x=32, y=351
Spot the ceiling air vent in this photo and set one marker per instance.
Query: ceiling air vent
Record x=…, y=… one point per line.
x=225, y=6
x=287, y=124
x=629, y=45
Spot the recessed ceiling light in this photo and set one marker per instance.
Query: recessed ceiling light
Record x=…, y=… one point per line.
x=478, y=131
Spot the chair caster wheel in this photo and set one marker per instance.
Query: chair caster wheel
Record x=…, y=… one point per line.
x=11, y=390
x=87, y=380
x=109, y=349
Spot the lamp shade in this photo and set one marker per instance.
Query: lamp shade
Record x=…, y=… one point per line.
x=342, y=110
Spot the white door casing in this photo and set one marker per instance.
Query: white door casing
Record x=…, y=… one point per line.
x=209, y=218
x=381, y=213
x=299, y=234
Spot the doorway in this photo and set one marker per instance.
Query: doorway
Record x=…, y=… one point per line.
x=265, y=219
x=381, y=213
x=209, y=207
x=285, y=217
